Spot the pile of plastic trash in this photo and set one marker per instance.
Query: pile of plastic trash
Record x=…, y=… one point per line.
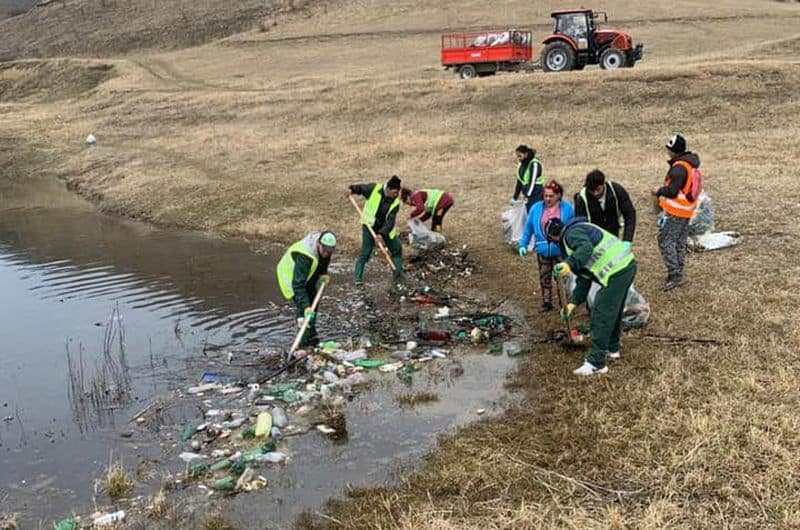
x=702, y=237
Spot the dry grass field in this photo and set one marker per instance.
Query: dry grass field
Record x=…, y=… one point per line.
x=259, y=133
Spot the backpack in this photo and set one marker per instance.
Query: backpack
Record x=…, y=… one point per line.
x=696, y=188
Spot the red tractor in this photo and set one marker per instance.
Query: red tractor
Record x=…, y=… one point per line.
x=577, y=41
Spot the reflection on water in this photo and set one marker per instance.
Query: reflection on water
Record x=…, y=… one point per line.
x=63, y=269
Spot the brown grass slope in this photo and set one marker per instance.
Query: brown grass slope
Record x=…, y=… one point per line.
x=106, y=27
x=259, y=134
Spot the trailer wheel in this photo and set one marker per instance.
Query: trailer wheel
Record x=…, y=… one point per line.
x=467, y=72
x=558, y=56
x=612, y=59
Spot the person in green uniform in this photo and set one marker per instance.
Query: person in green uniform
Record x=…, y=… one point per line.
x=595, y=255
x=303, y=267
x=428, y=203
x=380, y=212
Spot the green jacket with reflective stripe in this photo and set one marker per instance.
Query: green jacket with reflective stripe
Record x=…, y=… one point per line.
x=593, y=253
x=290, y=275
x=372, y=208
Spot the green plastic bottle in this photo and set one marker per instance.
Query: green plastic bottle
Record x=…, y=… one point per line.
x=225, y=484
x=197, y=470
x=66, y=524
x=222, y=464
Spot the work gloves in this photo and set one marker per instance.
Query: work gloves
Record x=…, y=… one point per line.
x=523, y=252
x=324, y=279
x=310, y=315
x=626, y=245
x=567, y=311
x=512, y=202
x=561, y=269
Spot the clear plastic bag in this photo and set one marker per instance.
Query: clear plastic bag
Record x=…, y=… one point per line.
x=512, y=223
x=636, y=312
x=423, y=237
x=702, y=222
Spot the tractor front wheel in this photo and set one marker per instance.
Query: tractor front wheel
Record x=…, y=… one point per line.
x=467, y=72
x=558, y=57
x=612, y=59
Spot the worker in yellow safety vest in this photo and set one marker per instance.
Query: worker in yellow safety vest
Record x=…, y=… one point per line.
x=379, y=213
x=301, y=270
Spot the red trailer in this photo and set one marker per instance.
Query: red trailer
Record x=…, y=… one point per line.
x=480, y=53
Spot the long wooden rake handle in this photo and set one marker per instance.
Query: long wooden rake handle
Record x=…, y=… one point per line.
x=375, y=237
x=303, y=328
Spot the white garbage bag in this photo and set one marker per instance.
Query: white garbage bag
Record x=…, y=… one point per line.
x=636, y=312
x=713, y=241
x=513, y=223
x=702, y=220
x=423, y=237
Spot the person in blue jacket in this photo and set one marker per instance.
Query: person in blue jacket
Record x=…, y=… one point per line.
x=552, y=206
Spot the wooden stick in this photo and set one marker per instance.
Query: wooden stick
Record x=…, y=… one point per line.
x=377, y=241
x=296, y=341
x=303, y=328
x=562, y=302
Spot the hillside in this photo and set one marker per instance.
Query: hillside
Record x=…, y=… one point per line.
x=259, y=133
x=110, y=27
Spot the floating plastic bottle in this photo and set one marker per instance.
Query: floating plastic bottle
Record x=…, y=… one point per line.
x=263, y=424
x=279, y=418
x=271, y=458
x=66, y=524
x=109, y=518
x=188, y=432
x=226, y=484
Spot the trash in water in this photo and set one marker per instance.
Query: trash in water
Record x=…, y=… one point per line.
x=189, y=457
x=263, y=424
x=279, y=417
x=433, y=335
x=212, y=377
x=67, y=524
x=442, y=312
x=350, y=356
x=109, y=519
x=511, y=349
x=369, y=363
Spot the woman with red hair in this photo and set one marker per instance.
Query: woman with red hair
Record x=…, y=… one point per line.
x=552, y=206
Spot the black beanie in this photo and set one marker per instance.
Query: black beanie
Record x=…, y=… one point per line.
x=676, y=143
x=393, y=183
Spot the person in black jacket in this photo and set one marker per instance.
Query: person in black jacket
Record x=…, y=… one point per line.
x=607, y=205
x=529, y=178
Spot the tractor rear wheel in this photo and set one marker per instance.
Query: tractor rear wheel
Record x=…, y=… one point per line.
x=467, y=72
x=557, y=56
x=612, y=59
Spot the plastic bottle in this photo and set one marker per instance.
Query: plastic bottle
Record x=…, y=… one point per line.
x=279, y=417
x=226, y=484
x=263, y=424
x=66, y=524
x=109, y=518
x=188, y=431
x=234, y=423
x=197, y=470
x=225, y=463
x=275, y=434
x=271, y=458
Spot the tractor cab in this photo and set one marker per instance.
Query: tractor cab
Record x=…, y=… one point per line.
x=577, y=41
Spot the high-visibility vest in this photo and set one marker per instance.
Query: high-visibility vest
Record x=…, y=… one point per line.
x=307, y=247
x=610, y=255
x=371, y=209
x=526, y=175
x=680, y=206
x=432, y=199
x=609, y=185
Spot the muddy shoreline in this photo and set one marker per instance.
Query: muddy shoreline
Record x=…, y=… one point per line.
x=465, y=386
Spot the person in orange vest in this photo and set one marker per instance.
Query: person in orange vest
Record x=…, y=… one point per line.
x=677, y=209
